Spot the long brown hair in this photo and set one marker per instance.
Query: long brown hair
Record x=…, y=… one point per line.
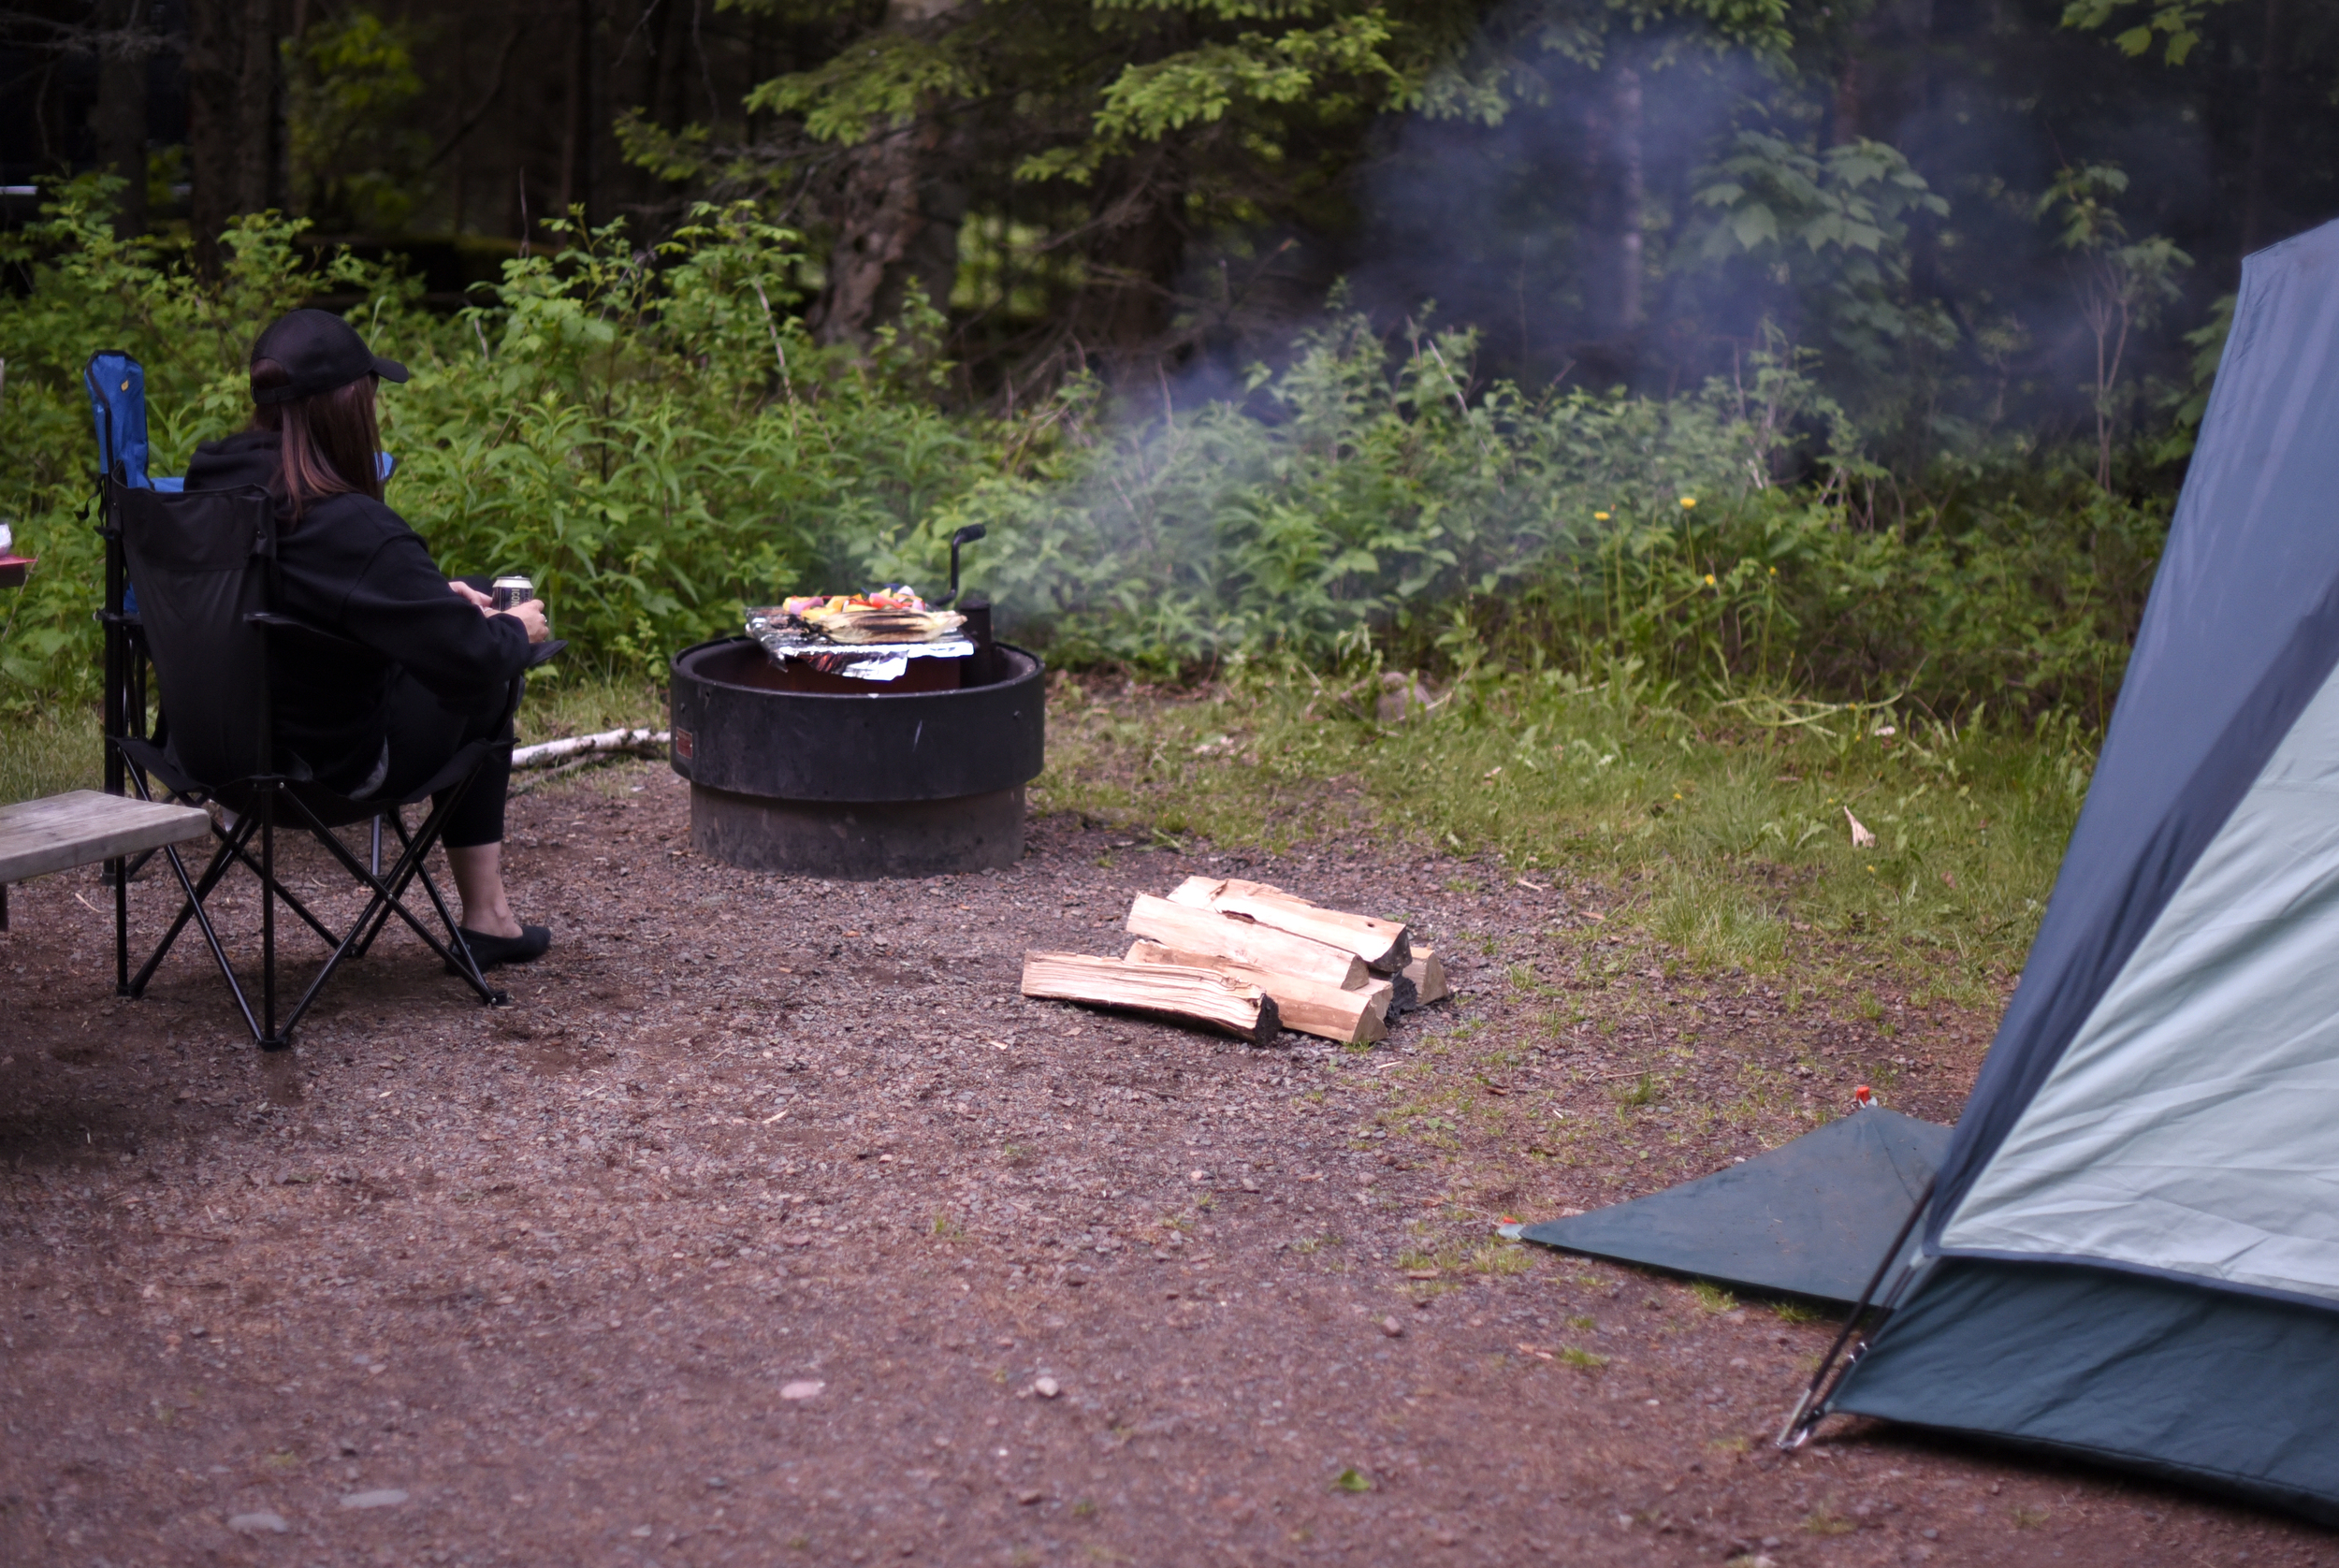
x=328, y=444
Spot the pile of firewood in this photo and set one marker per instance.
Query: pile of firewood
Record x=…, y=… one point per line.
x=1251, y=960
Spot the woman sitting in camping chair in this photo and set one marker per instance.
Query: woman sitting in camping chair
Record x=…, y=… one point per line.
x=434, y=661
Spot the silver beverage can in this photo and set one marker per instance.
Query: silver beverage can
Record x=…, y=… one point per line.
x=509, y=591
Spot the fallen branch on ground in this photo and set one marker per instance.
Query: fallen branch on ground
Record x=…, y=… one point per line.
x=644, y=742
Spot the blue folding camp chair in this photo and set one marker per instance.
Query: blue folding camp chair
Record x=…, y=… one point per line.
x=116, y=385
x=208, y=555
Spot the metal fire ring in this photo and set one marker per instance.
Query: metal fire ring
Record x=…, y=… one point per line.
x=881, y=747
x=854, y=785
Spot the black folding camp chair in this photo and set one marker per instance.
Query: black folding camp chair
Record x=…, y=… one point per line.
x=203, y=563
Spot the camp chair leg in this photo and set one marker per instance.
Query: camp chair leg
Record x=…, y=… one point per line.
x=197, y=891
x=383, y=896
x=428, y=833
x=272, y=1039
x=403, y=873
x=469, y=967
x=292, y=901
x=388, y=901
x=343, y=947
x=466, y=966
x=378, y=919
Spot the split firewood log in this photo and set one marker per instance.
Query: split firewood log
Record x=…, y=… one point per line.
x=1263, y=947
x=1310, y=1007
x=1428, y=975
x=1195, y=994
x=1382, y=944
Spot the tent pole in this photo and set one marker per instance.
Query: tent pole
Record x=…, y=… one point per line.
x=1791, y=1436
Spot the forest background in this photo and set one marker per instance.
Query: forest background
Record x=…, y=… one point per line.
x=1761, y=366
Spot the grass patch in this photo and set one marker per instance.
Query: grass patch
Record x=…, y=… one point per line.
x=1715, y=827
x=1825, y=1520
x=49, y=753
x=1582, y=1360
x=59, y=750
x=1498, y=1257
x=1712, y=1298
x=561, y=705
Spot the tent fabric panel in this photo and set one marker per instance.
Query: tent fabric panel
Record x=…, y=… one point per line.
x=2236, y=636
x=2207, y=1386
x=2187, y=1129
x=1811, y=1218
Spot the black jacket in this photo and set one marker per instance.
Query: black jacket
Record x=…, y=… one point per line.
x=352, y=566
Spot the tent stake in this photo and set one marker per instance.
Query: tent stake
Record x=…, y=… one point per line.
x=1796, y=1430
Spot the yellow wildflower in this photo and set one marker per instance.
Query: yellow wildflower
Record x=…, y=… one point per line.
x=1689, y=501
x=1709, y=579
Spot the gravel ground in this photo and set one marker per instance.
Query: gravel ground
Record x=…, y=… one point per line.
x=769, y=1225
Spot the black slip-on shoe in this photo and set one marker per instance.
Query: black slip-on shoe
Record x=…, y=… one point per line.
x=490, y=952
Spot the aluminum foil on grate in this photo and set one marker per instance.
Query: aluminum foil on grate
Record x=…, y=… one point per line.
x=785, y=641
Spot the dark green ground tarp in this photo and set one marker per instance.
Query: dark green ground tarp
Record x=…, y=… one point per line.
x=1811, y=1218
x=2238, y=1392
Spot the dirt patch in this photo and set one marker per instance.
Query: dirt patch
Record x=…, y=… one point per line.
x=737, y=1239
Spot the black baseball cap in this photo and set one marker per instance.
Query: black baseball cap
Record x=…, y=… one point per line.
x=322, y=351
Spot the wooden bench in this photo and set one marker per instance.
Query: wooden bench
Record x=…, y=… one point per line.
x=81, y=827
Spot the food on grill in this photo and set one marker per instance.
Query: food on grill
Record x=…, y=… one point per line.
x=886, y=615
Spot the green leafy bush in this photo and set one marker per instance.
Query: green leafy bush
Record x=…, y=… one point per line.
x=649, y=435
x=1367, y=495
x=83, y=290
x=653, y=438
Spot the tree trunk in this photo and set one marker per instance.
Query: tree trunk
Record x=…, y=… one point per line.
x=119, y=121
x=666, y=92
x=573, y=101
x=2261, y=132
x=586, y=116
x=1126, y=306
x=1630, y=195
x=596, y=105
x=456, y=182
x=896, y=217
x=214, y=56
x=896, y=227
x=256, y=162
x=234, y=142
x=1612, y=281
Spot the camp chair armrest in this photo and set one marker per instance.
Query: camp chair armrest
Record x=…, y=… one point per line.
x=270, y=621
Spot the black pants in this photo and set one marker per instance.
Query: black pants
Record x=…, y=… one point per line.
x=423, y=735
